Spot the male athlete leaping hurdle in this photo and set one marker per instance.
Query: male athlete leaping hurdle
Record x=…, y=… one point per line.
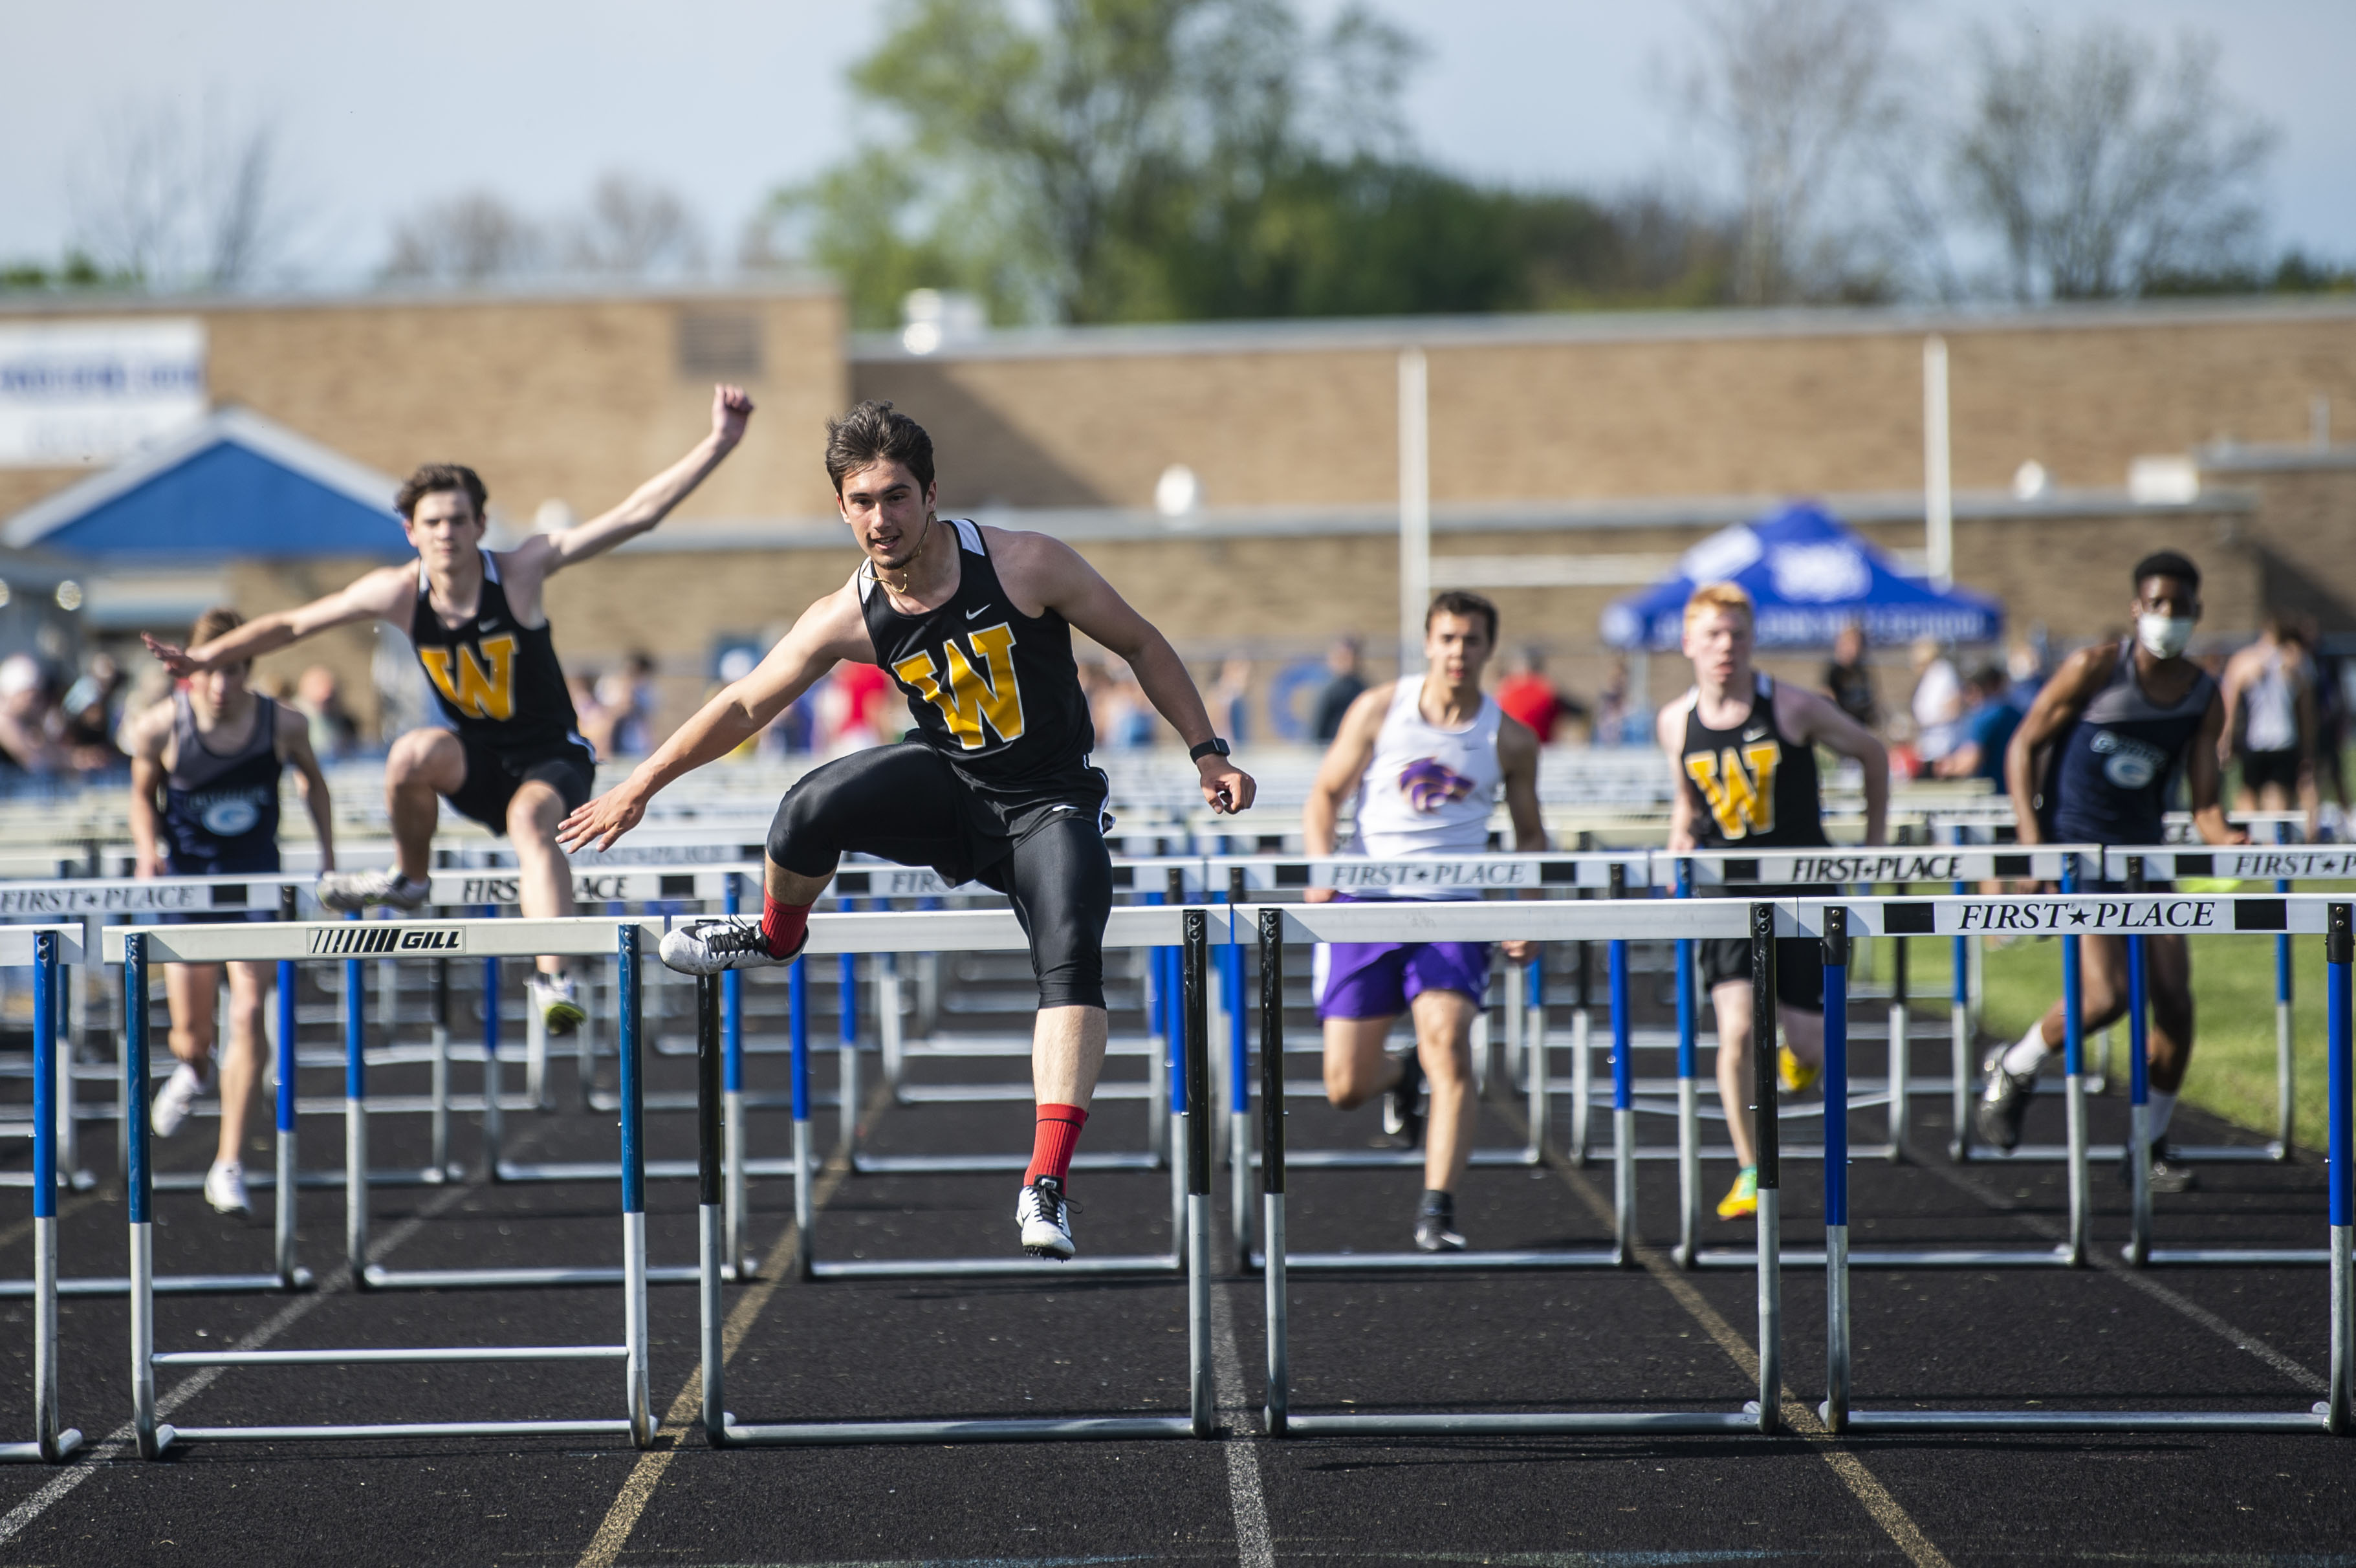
x=517, y=760
x=975, y=626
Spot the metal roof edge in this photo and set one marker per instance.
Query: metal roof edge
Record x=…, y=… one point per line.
x=30, y=304
x=1394, y=333
x=2271, y=457
x=1116, y=525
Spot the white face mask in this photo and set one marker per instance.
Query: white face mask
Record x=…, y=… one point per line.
x=2163, y=636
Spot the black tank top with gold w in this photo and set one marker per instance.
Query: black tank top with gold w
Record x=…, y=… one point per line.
x=1749, y=787
x=496, y=679
x=993, y=690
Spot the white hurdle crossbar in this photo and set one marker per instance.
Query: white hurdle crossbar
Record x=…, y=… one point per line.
x=137, y=949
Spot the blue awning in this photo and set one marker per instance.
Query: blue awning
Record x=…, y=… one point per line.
x=233, y=484
x=1809, y=577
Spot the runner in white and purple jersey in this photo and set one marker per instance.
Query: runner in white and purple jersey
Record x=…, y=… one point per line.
x=1425, y=759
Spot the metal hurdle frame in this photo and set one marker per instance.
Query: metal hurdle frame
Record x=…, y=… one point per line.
x=889, y=880
x=49, y=948
x=1835, y=920
x=956, y=931
x=135, y=949
x=1873, y=867
x=1558, y=921
x=1575, y=871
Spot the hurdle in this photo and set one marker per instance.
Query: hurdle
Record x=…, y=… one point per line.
x=1575, y=872
x=951, y=931
x=1836, y=922
x=1556, y=921
x=960, y=931
x=48, y=948
x=1136, y=875
x=135, y=949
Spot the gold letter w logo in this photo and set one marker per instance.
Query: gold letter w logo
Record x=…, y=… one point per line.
x=970, y=699
x=477, y=692
x=1742, y=799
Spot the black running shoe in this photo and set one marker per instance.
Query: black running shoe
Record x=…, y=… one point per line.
x=1435, y=1228
x=2167, y=1175
x=1403, y=1105
x=2004, y=1102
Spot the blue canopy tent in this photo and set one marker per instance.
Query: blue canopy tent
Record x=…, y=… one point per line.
x=1809, y=578
x=231, y=485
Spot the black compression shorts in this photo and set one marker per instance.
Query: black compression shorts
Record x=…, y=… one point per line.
x=2279, y=769
x=1799, y=960
x=493, y=777
x=902, y=802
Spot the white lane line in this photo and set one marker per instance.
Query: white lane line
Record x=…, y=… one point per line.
x=86, y=1465
x=2241, y=1339
x=1254, y=1548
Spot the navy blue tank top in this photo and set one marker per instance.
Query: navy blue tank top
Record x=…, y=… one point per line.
x=2110, y=777
x=220, y=813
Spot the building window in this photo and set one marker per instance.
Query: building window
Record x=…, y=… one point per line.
x=723, y=342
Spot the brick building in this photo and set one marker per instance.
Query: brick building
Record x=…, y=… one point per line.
x=1573, y=456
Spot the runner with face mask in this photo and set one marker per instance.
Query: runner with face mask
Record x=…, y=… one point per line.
x=2094, y=763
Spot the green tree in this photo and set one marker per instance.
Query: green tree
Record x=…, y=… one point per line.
x=1053, y=169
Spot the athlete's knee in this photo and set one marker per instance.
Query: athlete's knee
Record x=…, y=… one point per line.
x=1071, y=974
x=800, y=838
x=533, y=813
x=421, y=756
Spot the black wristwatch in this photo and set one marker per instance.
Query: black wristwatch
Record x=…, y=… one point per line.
x=1213, y=747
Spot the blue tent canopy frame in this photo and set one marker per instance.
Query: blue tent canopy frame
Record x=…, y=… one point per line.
x=1809, y=578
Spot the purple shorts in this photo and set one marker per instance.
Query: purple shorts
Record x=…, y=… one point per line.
x=1378, y=979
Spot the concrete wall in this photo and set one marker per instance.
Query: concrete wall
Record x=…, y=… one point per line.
x=1731, y=403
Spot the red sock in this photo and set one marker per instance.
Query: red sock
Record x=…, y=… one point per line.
x=1052, y=1144
x=782, y=924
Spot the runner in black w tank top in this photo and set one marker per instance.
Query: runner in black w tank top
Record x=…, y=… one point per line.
x=512, y=760
x=1741, y=748
x=974, y=625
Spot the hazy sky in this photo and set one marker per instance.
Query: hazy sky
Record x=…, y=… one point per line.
x=384, y=106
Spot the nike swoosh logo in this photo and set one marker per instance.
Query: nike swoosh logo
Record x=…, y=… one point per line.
x=972, y=614
x=486, y=626
x=1754, y=734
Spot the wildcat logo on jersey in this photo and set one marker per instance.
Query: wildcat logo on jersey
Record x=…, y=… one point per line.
x=1742, y=798
x=1430, y=784
x=474, y=690
x=971, y=698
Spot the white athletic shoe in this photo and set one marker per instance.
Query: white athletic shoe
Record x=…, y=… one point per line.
x=225, y=1187
x=1043, y=1212
x=349, y=892
x=175, y=1099
x=561, y=1011
x=722, y=942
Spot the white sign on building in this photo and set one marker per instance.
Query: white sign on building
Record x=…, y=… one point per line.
x=84, y=393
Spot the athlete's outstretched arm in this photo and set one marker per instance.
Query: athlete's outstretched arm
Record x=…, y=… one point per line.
x=651, y=502
x=143, y=739
x=829, y=632
x=2204, y=780
x=1819, y=721
x=1056, y=574
x=1517, y=756
x=1668, y=729
x=2059, y=702
x=293, y=739
x=384, y=594
x=1339, y=774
